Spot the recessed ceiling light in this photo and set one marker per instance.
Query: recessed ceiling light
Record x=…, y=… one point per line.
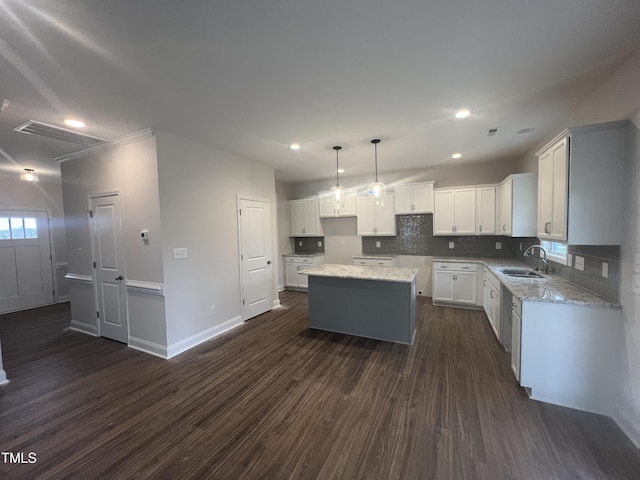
x=456, y=155
x=294, y=146
x=464, y=113
x=72, y=122
x=341, y=170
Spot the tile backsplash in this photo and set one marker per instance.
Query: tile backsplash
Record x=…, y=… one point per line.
x=414, y=236
x=309, y=245
x=591, y=277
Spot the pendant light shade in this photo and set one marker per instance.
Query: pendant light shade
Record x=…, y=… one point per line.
x=337, y=191
x=377, y=189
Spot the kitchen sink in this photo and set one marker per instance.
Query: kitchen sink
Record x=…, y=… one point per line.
x=521, y=273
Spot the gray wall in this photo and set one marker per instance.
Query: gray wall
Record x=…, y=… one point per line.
x=130, y=168
x=198, y=194
x=45, y=195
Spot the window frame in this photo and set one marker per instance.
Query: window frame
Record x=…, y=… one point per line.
x=552, y=253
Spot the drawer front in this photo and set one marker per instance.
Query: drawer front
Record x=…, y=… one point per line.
x=456, y=266
x=300, y=260
x=372, y=262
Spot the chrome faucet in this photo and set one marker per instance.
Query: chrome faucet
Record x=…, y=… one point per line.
x=528, y=253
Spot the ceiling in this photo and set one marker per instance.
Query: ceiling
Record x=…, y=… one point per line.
x=251, y=77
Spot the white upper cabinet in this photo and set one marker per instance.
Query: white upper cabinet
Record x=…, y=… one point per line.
x=376, y=219
x=486, y=210
x=305, y=218
x=580, y=174
x=518, y=205
x=414, y=198
x=454, y=211
x=327, y=205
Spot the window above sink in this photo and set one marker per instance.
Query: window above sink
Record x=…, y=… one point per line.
x=556, y=251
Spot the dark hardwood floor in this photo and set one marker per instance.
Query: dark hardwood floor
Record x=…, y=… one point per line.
x=275, y=400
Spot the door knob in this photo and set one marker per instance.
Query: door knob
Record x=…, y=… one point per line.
x=119, y=277
x=268, y=262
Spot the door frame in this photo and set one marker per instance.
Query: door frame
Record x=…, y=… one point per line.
x=52, y=258
x=91, y=196
x=239, y=198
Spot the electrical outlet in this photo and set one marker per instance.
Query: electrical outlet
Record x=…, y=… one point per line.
x=498, y=245
x=605, y=269
x=319, y=243
x=636, y=263
x=299, y=243
x=569, y=259
x=377, y=244
x=520, y=246
x=451, y=245
x=579, y=263
x=179, y=253
x=212, y=310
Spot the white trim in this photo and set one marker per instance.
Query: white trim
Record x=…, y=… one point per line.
x=148, y=347
x=3, y=377
x=79, y=278
x=276, y=303
x=149, y=288
x=280, y=288
x=198, y=338
x=131, y=137
x=84, y=328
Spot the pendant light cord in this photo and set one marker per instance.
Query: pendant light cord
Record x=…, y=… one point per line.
x=337, y=148
x=375, y=142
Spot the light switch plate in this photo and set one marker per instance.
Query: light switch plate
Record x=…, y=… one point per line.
x=451, y=245
x=498, y=245
x=377, y=244
x=319, y=243
x=179, y=253
x=605, y=269
x=636, y=284
x=579, y=263
x=570, y=259
x=299, y=243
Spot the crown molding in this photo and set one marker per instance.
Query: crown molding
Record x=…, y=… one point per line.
x=108, y=145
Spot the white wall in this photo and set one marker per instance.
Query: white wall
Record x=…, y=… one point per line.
x=132, y=169
x=45, y=195
x=198, y=194
x=618, y=98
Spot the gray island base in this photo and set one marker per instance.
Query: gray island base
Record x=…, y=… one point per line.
x=371, y=302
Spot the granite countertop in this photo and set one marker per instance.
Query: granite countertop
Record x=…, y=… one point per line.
x=308, y=255
x=362, y=272
x=550, y=288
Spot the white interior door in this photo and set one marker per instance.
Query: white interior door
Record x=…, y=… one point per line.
x=255, y=256
x=25, y=260
x=108, y=249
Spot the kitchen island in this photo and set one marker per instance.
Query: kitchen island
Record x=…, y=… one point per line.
x=367, y=301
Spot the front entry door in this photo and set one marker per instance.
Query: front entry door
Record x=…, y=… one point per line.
x=255, y=253
x=108, y=248
x=25, y=260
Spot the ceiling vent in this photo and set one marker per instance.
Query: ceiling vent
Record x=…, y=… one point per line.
x=492, y=131
x=44, y=130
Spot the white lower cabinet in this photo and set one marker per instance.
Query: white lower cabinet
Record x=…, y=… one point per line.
x=455, y=283
x=516, y=336
x=492, y=300
x=293, y=264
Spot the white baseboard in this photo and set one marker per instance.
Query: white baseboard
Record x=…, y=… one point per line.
x=148, y=347
x=198, y=338
x=630, y=425
x=276, y=303
x=83, y=328
x=280, y=288
x=3, y=377
x=63, y=299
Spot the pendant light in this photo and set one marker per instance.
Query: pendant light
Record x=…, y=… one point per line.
x=377, y=189
x=337, y=191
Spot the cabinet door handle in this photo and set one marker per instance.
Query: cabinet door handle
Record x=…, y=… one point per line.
x=479, y=228
x=491, y=293
x=304, y=230
x=465, y=268
x=455, y=277
x=547, y=227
